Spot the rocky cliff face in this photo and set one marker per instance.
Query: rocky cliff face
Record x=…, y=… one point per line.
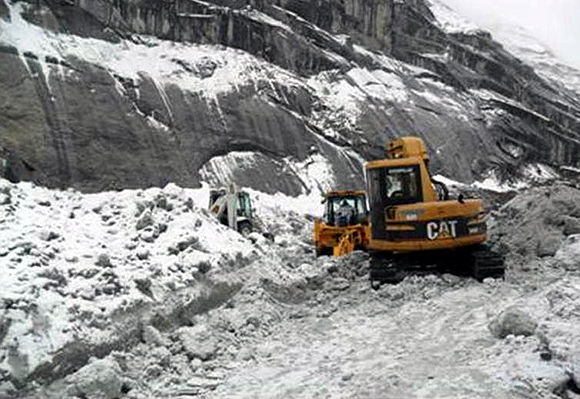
x=282, y=95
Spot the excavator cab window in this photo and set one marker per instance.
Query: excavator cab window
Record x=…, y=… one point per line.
x=391, y=186
x=214, y=195
x=329, y=211
x=395, y=185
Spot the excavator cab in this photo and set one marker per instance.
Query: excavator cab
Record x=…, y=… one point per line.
x=344, y=226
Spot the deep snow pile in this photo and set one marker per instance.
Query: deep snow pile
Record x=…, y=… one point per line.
x=84, y=275
x=81, y=270
x=536, y=222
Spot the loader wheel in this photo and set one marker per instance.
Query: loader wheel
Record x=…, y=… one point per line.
x=245, y=229
x=323, y=251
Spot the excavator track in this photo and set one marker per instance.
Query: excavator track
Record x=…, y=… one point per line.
x=479, y=262
x=486, y=263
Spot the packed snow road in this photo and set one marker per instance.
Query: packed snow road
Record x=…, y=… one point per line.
x=426, y=338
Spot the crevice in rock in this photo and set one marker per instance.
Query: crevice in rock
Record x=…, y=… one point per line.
x=57, y=127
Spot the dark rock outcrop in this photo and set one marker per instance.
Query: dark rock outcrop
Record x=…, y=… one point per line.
x=4, y=14
x=80, y=123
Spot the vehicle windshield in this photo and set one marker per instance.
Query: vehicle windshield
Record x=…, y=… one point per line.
x=355, y=204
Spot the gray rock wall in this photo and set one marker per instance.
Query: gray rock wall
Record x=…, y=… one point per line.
x=77, y=128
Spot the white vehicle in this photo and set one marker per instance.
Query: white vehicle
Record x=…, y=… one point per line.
x=233, y=207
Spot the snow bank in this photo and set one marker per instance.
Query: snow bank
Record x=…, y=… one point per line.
x=536, y=221
x=244, y=312
x=73, y=263
x=85, y=274
x=568, y=254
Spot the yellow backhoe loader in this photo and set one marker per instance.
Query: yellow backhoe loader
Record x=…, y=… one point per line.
x=415, y=225
x=344, y=226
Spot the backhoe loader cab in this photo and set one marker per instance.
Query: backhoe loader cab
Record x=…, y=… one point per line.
x=344, y=225
x=242, y=218
x=355, y=200
x=409, y=212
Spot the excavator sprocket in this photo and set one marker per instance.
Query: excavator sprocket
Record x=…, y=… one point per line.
x=478, y=262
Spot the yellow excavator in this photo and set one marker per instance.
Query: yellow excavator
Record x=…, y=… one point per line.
x=344, y=226
x=414, y=224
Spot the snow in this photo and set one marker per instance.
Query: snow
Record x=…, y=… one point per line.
x=293, y=324
x=449, y=20
x=379, y=84
x=440, y=94
x=315, y=172
x=156, y=124
x=571, y=169
x=517, y=40
x=208, y=69
x=274, y=320
x=526, y=46
x=52, y=272
x=540, y=173
x=490, y=95
x=569, y=253
x=219, y=170
x=346, y=95
x=448, y=182
x=265, y=18
x=530, y=174
x=492, y=183
x=345, y=98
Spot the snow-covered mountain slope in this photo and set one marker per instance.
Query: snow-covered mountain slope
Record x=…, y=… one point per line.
x=451, y=21
x=518, y=41
x=138, y=96
x=532, y=51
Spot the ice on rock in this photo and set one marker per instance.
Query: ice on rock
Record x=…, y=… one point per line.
x=100, y=379
x=513, y=321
